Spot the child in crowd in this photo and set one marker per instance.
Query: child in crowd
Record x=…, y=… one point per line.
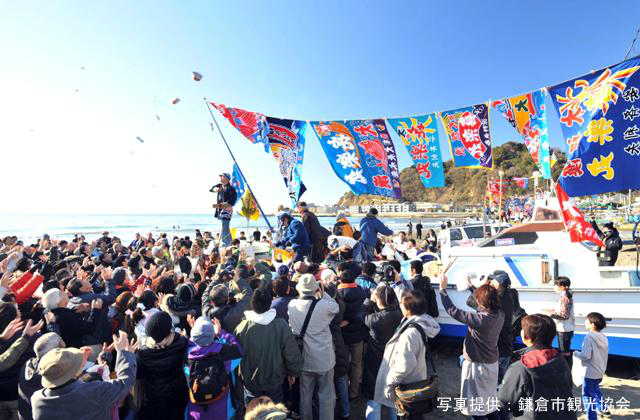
x=595, y=350
x=563, y=317
x=540, y=375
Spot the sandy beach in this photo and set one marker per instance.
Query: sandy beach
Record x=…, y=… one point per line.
x=619, y=383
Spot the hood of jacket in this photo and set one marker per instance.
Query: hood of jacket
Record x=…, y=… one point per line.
x=264, y=318
x=195, y=352
x=539, y=358
x=429, y=325
x=599, y=339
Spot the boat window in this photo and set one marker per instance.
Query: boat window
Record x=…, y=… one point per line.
x=543, y=214
x=475, y=232
x=513, y=238
x=456, y=235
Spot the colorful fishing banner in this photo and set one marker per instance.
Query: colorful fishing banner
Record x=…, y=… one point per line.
x=574, y=221
x=420, y=136
x=362, y=154
x=286, y=140
x=249, y=207
x=469, y=139
x=521, y=182
x=526, y=113
x=600, y=119
x=252, y=125
x=237, y=182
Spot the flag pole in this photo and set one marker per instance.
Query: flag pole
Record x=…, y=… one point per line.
x=238, y=166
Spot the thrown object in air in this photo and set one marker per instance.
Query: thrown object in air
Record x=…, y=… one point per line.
x=175, y=101
x=139, y=139
x=196, y=76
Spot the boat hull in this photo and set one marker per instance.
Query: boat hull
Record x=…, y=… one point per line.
x=621, y=305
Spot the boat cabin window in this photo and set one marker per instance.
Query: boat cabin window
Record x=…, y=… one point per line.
x=545, y=215
x=475, y=232
x=456, y=235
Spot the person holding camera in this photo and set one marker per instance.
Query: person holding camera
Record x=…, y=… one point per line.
x=390, y=274
x=225, y=200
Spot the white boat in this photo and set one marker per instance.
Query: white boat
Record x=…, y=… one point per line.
x=534, y=254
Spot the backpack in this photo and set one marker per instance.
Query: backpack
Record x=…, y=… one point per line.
x=208, y=380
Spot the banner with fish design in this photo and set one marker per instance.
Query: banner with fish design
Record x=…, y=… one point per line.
x=420, y=136
x=468, y=133
x=600, y=120
x=252, y=125
x=237, y=182
x=526, y=113
x=286, y=140
x=362, y=154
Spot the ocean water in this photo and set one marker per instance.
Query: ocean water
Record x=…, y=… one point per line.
x=64, y=226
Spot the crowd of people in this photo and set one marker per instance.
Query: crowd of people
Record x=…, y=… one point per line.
x=173, y=328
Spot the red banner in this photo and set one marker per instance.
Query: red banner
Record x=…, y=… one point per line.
x=574, y=221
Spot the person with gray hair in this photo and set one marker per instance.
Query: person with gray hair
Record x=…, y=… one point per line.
x=30, y=379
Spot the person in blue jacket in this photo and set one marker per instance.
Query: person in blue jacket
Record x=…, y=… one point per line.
x=370, y=226
x=295, y=236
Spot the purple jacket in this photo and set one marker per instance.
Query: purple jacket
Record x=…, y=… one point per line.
x=227, y=347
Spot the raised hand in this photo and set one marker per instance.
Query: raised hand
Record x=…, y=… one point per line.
x=11, y=329
x=216, y=326
x=30, y=329
x=121, y=341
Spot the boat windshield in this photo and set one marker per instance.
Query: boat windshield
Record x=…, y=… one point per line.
x=475, y=232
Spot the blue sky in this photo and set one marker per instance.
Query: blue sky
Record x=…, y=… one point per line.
x=68, y=135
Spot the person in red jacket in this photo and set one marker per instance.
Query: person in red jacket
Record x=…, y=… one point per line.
x=24, y=287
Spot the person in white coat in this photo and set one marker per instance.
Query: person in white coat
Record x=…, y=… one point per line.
x=404, y=359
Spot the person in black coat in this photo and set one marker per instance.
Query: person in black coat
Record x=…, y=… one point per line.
x=354, y=331
x=341, y=368
x=612, y=243
x=72, y=327
x=317, y=234
x=382, y=317
x=160, y=370
x=540, y=373
x=423, y=283
x=225, y=200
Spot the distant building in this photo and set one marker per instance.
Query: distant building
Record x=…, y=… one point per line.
x=426, y=207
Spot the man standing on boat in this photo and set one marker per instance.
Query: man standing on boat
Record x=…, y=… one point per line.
x=224, y=206
x=612, y=243
x=370, y=226
x=317, y=234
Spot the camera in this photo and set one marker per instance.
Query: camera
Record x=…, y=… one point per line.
x=385, y=272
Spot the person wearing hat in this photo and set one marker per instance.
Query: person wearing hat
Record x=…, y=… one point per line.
x=208, y=340
x=295, y=236
x=225, y=199
x=30, y=379
x=64, y=397
x=160, y=368
x=500, y=281
x=318, y=356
